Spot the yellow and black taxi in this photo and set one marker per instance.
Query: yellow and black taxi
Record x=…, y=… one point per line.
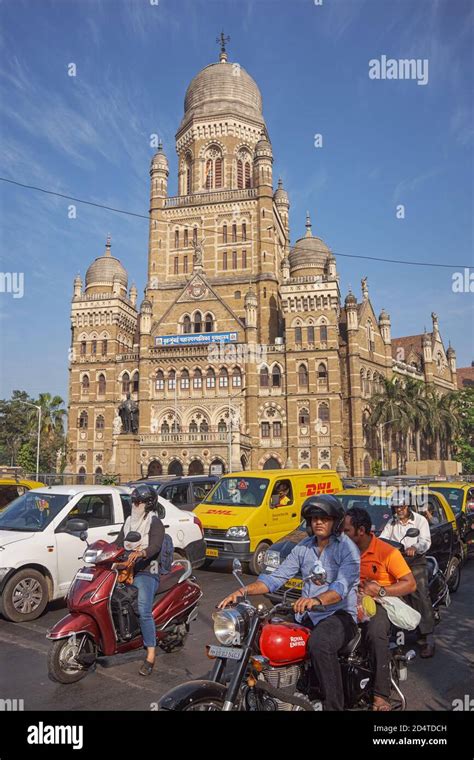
x=446, y=544
x=11, y=488
x=460, y=497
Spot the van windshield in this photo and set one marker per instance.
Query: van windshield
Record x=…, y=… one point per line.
x=32, y=512
x=243, y=492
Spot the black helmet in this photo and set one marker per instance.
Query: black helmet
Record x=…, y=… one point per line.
x=325, y=504
x=144, y=494
x=399, y=500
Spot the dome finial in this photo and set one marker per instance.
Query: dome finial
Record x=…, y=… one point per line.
x=309, y=231
x=108, y=245
x=222, y=40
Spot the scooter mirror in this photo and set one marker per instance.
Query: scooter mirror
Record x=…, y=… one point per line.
x=412, y=533
x=237, y=566
x=133, y=536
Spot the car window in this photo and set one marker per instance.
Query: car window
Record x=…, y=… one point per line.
x=8, y=493
x=282, y=494
x=177, y=494
x=454, y=497
x=201, y=489
x=126, y=505
x=434, y=513
x=95, y=508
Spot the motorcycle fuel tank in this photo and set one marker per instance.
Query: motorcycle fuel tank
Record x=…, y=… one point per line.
x=284, y=643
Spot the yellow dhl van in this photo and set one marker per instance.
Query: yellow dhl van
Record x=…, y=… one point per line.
x=248, y=511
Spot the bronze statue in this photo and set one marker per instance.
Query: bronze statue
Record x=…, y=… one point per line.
x=128, y=413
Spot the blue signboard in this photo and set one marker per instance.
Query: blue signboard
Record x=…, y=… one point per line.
x=194, y=339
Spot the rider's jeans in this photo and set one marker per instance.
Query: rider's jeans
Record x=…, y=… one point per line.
x=147, y=586
x=327, y=638
x=420, y=599
x=376, y=636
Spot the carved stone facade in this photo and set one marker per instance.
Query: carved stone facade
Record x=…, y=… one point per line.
x=241, y=353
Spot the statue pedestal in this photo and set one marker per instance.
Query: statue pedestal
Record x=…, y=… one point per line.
x=127, y=456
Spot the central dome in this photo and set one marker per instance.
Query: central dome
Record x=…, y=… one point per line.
x=221, y=88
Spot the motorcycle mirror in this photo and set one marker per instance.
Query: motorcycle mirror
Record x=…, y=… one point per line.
x=412, y=533
x=133, y=536
x=237, y=566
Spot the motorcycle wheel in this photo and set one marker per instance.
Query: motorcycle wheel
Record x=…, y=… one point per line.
x=453, y=575
x=62, y=666
x=205, y=705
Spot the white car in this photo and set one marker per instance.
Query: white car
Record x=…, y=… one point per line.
x=39, y=557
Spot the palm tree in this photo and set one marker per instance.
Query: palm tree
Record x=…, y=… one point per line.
x=389, y=411
x=52, y=414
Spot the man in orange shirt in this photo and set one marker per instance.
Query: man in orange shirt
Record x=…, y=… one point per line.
x=383, y=572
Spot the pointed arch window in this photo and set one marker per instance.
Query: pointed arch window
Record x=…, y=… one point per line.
x=210, y=378
x=303, y=378
x=323, y=333
x=135, y=382
x=222, y=427
x=264, y=377
x=176, y=238
x=83, y=420
x=85, y=384
x=310, y=334
x=244, y=231
x=197, y=379
x=322, y=375
x=171, y=380
x=184, y=379
x=213, y=169
x=224, y=233
x=195, y=235
x=186, y=324
x=248, y=181
x=186, y=238
x=234, y=233
x=198, y=322
x=193, y=428
x=101, y=386
x=223, y=378
x=189, y=175
x=236, y=377
x=303, y=417
x=276, y=376
x=125, y=383
x=100, y=422
x=298, y=335
x=323, y=412
x=160, y=380
x=208, y=323
x=165, y=428
x=240, y=174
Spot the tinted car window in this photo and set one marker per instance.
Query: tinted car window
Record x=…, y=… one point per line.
x=95, y=508
x=201, y=489
x=454, y=497
x=177, y=494
x=377, y=508
x=126, y=504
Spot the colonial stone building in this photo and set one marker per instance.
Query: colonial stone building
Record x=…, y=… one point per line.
x=241, y=354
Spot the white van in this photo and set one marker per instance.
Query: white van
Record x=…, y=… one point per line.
x=39, y=557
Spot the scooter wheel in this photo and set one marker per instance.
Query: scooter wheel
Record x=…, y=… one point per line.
x=62, y=666
x=453, y=575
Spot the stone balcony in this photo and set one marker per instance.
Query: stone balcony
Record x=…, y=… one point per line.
x=216, y=196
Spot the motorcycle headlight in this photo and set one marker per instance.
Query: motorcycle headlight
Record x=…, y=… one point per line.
x=230, y=626
x=272, y=558
x=91, y=556
x=240, y=531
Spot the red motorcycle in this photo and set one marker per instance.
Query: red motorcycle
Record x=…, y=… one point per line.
x=103, y=618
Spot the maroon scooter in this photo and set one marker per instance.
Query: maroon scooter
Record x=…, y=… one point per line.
x=103, y=618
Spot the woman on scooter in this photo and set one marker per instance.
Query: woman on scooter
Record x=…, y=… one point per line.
x=144, y=520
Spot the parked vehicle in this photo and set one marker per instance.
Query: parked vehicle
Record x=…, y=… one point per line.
x=39, y=557
x=446, y=545
x=184, y=492
x=272, y=670
x=103, y=616
x=460, y=497
x=248, y=511
x=11, y=488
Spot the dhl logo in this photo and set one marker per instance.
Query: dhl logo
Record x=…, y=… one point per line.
x=315, y=488
x=218, y=512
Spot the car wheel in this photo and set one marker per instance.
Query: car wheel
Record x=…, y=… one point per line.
x=257, y=563
x=453, y=574
x=25, y=596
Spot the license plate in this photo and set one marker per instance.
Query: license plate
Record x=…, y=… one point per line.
x=294, y=583
x=229, y=653
x=212, y=552
x=84, y=576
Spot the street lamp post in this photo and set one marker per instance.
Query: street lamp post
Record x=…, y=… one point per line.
x=39, y=432
x=230, y=426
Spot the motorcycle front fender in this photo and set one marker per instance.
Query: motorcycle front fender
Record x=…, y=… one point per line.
x=193, y=691
x=74, y=624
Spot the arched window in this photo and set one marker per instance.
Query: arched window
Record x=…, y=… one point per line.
x=186, y=237
x=236, y=377
x=176, y=238
x=311, y=334
x=223, y=378
x=195, y=235
x=171, y=380
x=210, y=378
x=186, y=324
x=323, y=334
x=184, y=379
x=265, y=430
x=99, y=422
x=101, y=385
x=240, y=174
x=244, y=231
x=81, y=476
x=248, y=180
x=154, y=468
x=160, y=380
x=204, y=427
x=303, y=417
x=85, y=384
x=104, y=347
x=276, y=376
x=98, y=476
x=213, y=169
x=125, y=383
x=234, y=233
x=303, y=376
x=208, y=323
x=218, y=172
x=197, y=378
x=165, y=428
x=84, y=420
x=198, y=322
x=222, y=427
x=322, y=375
x=196, y=468
x=224, y=233
x=188, y=175
x=264, y=377
x=193, y=428
x=175, y=468
x=298, y=335
x=135, y=382
x=323, y=412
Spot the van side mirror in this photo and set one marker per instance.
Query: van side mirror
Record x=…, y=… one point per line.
x=76, y=525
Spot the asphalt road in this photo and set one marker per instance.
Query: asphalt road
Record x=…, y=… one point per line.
x=115, y=684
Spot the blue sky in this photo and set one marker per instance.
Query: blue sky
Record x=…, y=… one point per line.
x=384, y=143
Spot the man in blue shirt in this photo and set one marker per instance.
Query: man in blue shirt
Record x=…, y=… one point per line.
x=338, y=561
